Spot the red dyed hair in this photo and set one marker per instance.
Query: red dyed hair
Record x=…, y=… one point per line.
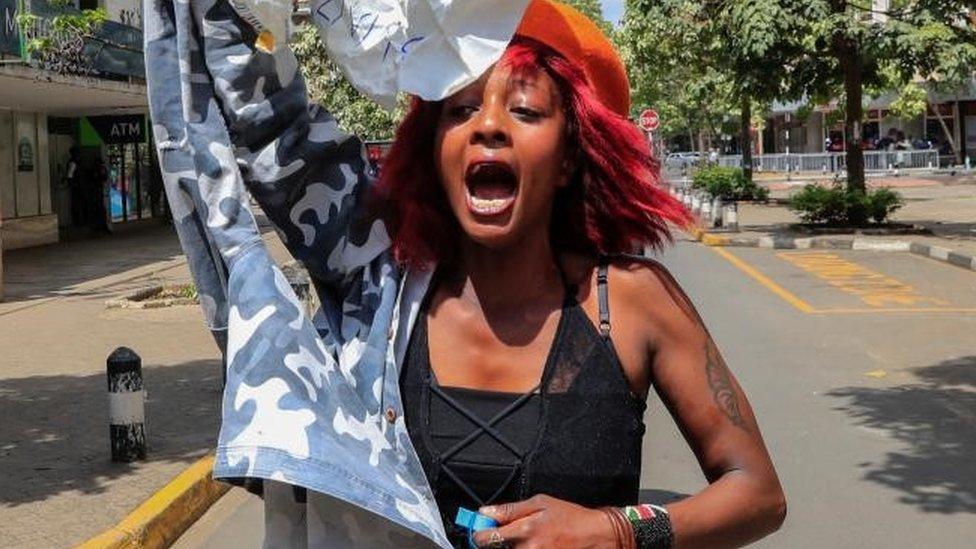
x=612, y=204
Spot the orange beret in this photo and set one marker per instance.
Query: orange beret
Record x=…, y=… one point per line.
x=579, y=40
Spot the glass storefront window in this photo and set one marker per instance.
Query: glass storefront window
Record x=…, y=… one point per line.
x=129, y=198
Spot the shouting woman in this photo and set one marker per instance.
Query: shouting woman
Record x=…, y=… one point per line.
x=479, y=299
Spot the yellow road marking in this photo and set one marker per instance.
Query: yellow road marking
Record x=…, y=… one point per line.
x=801, y=305
x=871, y=287
x=782, y=292
x=842, y=311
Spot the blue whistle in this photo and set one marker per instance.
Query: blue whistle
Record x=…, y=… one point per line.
x=473, y=522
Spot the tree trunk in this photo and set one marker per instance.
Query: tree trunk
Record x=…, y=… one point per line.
x=745, y=137
x=851, y=62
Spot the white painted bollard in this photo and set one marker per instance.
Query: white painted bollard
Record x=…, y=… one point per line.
x=717, y=211
x=696, y=203
x=730, y=218
x=968, y=164
x=706, y=211
x=126, y=406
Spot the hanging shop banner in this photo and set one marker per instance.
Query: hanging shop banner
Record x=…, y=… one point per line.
x=116, y=130
x=9, y=31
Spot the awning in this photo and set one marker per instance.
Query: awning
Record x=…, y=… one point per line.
x=28, y=89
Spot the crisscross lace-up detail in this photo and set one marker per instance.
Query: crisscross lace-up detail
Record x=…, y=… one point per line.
x=483, y=428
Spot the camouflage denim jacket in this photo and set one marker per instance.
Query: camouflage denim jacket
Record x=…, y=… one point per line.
x=312, y=402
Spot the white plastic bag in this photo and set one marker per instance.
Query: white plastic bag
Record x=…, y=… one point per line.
x=429, y=48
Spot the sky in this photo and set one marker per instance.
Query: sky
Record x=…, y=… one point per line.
x=612, y=10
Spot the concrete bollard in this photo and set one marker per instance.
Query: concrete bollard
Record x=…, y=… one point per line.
x=717, y=212
x=696, y=203
x=126, y=406
x=969, y=165
x=730, y=218
x=706, y=211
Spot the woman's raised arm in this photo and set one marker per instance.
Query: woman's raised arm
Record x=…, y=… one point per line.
x=308, y=175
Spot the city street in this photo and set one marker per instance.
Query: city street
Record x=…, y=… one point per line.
x=861, y=367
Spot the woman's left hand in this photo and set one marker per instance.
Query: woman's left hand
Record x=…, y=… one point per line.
x=544, y=521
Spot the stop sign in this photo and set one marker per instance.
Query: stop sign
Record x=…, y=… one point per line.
x=649, y=120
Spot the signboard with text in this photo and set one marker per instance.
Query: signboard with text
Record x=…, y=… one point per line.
x=9, y=31
x=126, y=128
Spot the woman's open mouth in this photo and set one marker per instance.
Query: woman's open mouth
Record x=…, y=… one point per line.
x=491, y=187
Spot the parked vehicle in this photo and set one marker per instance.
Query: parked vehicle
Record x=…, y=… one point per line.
x=684, y=159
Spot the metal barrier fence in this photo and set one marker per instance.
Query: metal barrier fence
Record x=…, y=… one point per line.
x=835, y=162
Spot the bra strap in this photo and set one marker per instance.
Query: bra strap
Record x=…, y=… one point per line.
x=603, y=296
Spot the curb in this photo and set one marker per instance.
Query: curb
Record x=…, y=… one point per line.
x=160, y=520
x=937, y=253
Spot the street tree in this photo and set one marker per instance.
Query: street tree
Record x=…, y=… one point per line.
x=757, y=45
x=671, y=53
x=330, y=88
x=932, y=51
x=850, y=46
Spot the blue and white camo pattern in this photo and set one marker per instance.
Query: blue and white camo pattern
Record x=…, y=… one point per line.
x=305, y=399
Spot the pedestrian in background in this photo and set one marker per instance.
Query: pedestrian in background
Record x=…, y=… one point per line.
x=96, y=181
x=73, y=181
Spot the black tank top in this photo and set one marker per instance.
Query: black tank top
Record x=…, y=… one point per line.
x=576, y=437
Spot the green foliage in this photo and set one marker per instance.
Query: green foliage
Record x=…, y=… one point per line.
x=911, y=102
x=730, y=184
x=594, y=10
x=672, y=58
x=881, y=203
x=330, y=88
x=689, y=58
x=816, y=204
x=188, y=291
x=46, y=37
x=838, y=206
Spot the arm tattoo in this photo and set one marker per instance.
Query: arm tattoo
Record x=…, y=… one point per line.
x=721, y=384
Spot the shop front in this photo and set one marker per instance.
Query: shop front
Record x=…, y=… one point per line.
x=133, y=190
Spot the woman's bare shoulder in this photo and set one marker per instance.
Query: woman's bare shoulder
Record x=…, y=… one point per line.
x=646, y=288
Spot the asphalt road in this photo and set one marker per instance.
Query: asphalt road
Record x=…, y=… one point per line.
x=861, y=367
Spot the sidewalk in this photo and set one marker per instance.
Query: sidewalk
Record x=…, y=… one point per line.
x=58, y=486
x=948, y=211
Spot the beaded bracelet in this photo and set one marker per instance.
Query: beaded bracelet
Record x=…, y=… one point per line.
x=651, y=525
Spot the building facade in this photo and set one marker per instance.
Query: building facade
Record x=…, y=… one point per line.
x=948, y=125
x=75, y=151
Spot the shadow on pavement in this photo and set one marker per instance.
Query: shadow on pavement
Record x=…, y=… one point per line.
x=934, y=420
x=54, y=431
x=949, y=229
x=34, y=273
